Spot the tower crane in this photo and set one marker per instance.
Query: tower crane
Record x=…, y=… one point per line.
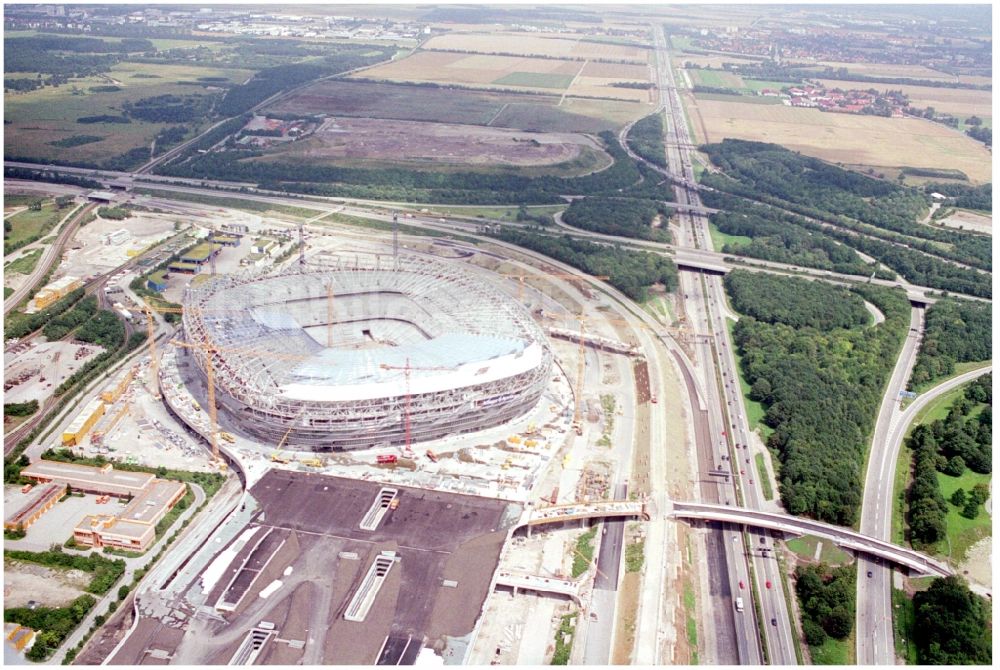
x=406, y=406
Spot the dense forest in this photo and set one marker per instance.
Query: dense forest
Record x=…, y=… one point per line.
x=773, y=239
x=845, y=199
x=952, y=625
x=619, y=216
x=950, y=445
x=646, y=139
x=822, y=391
x=827, y=598
x=631, y=272
x=795, y=302
x=917, y=267
x=955, y=331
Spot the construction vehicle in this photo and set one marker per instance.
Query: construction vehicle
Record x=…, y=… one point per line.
x=431, y=455
x=312, y=462
x=26, y=488
x=652, y=399
x=195, y=405
x=278, y=457
x=514, y=439
x=386, y=459
x=532, y=429
x=228, y=437
x=394, y=504
x=531, y=443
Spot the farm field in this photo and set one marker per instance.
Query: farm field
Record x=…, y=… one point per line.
x=50, y=114
x=548, y=75
x=416, y=144
x=528, y=111
x=846, y=138
x=885, y=70
x=27, y=223
x=714, y=78
x=533, y=45
x=704, y=60
x=958, y=101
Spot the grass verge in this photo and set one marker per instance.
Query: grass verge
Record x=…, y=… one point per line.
x=903, y=622
x=765, y=480
x=564, y=640
x=584, y=554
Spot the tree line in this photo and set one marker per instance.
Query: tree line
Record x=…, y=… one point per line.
x=631, y=272
x=774, y=238
x=822, y=391
x=795, y=302
x=955, y=331
x=965, y=195
x=422, y=185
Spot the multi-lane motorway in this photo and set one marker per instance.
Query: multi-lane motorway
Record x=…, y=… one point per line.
x=751, y=558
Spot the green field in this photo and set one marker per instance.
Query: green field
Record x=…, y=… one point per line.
x=720, y=239
x=962, y=532
x=904, y=620
x=25, y=264
x=760, y=84
x=765, y=481
x=29, y=224
x=805, y=547
x=535, y=79
x=834, y=652
x=50, y=113
x=715, y=78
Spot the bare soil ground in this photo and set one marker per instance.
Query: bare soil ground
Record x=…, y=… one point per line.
x=47, y=586
x=435, y=143
x=969, y=221
x=978, y=564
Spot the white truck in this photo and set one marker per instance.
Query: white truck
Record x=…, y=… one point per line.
x=739, y=604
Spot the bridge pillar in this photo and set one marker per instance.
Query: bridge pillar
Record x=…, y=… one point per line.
x=529, y=531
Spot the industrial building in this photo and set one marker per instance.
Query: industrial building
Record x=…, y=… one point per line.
x=157, y=281
x=367, y=351
x=56, y=290
x=83, y=422
x=119, y=236
x=134, y=527
x=113, y=394
x=42, y=500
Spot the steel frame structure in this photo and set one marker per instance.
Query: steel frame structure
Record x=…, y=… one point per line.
x=419, y=297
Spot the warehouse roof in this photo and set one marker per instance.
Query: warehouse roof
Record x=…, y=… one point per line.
x=106, y=479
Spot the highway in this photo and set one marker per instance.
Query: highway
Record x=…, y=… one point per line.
x=695, y=257
x=874, y=594
x=706, y=302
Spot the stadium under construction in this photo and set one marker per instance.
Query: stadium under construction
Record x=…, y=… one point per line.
x=364, y=351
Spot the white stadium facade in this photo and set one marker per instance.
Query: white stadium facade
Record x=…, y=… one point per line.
x=336, y=356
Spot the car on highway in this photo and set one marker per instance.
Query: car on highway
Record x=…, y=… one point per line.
x=742, y=471
x=741, y=584
x=774, y=622
x=768, y=583
x=869, y=574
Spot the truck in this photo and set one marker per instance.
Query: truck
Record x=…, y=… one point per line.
x=381, y=460
x=739, y=604
x=431, y=455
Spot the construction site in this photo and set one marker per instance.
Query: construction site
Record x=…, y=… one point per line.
x=392, y=415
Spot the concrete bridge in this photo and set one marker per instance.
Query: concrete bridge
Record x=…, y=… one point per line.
x=605, y=509
x=519, y=580
x=844, y=537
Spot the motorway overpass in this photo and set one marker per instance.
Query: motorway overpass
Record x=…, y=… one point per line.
x=526, y=582
x=844, y=537
x=606, y=509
